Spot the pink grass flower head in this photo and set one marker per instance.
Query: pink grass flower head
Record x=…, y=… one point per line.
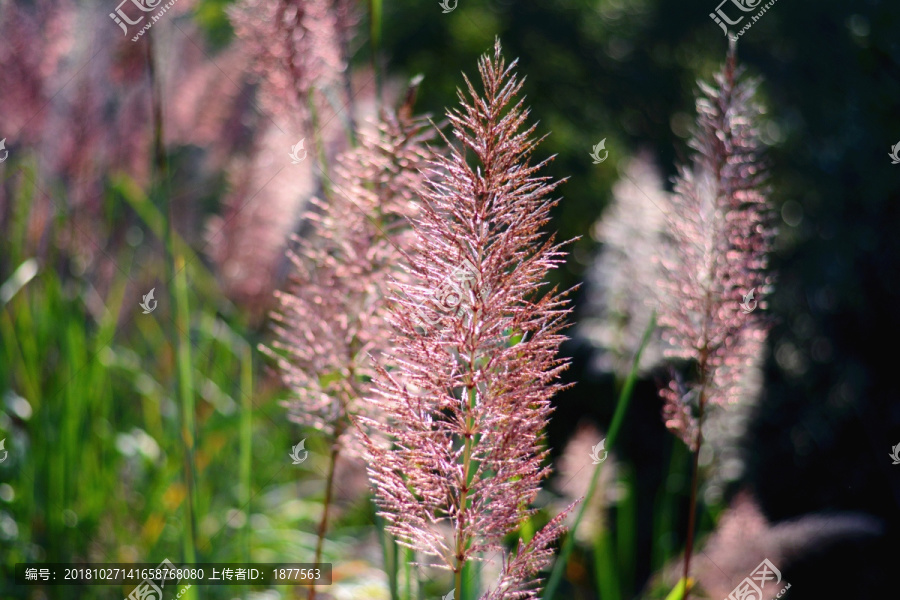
x=718, y=225
x=622, y=284
x=296, y=46
x=466, y=407
x=332, y=320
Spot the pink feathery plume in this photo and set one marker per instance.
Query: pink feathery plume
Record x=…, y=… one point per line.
x=331, y=321
x=475, y=347
x=517, y=577
x=622, y=284
x=299, y=52
x=714, y=269
x=347, y=18
x=296, y=46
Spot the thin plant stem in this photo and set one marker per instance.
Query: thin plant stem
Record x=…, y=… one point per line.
x=463, y=500
x=464, y=497
x=695, y=477
x=375, y=8
x=692, y=514
x=665, y=509
x=319, y=145
x=407, y=571
x=329, y=492
x=420, y=587
x=246, y=444
x=344, y=43
x=175, y=268
x=626, y=530
x=186, y=388
x=695, y=481
x=389, y=550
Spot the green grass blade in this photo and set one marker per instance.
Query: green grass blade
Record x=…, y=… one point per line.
x=246, y=445
x=666, y=506
x=407, y=572
x=20, y=277
x=618, y=418
x=389, y=551
x=677, y=592
x=605, y=571
x=128, y=190
x=186, y=392
x=626, y=532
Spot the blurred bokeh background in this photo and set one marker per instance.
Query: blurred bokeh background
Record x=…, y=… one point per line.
x=123, y=154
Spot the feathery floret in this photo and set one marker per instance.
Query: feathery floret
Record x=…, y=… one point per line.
x=720, y=238
x=296, y=46
x=332, y=320
x=467, y=405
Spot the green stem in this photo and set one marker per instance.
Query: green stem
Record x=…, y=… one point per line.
x=375, y=7
x=348, y=86
x=626, y=530
x=176, y=275
x=665, y=509
x=461, y=541
x=695, y=479
x=407, y=571
x=605, y=568
x=186, y=389
x=319, y=144
x=618, y=416
x=329, y=492
x=389, y=550
x=246, y=444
